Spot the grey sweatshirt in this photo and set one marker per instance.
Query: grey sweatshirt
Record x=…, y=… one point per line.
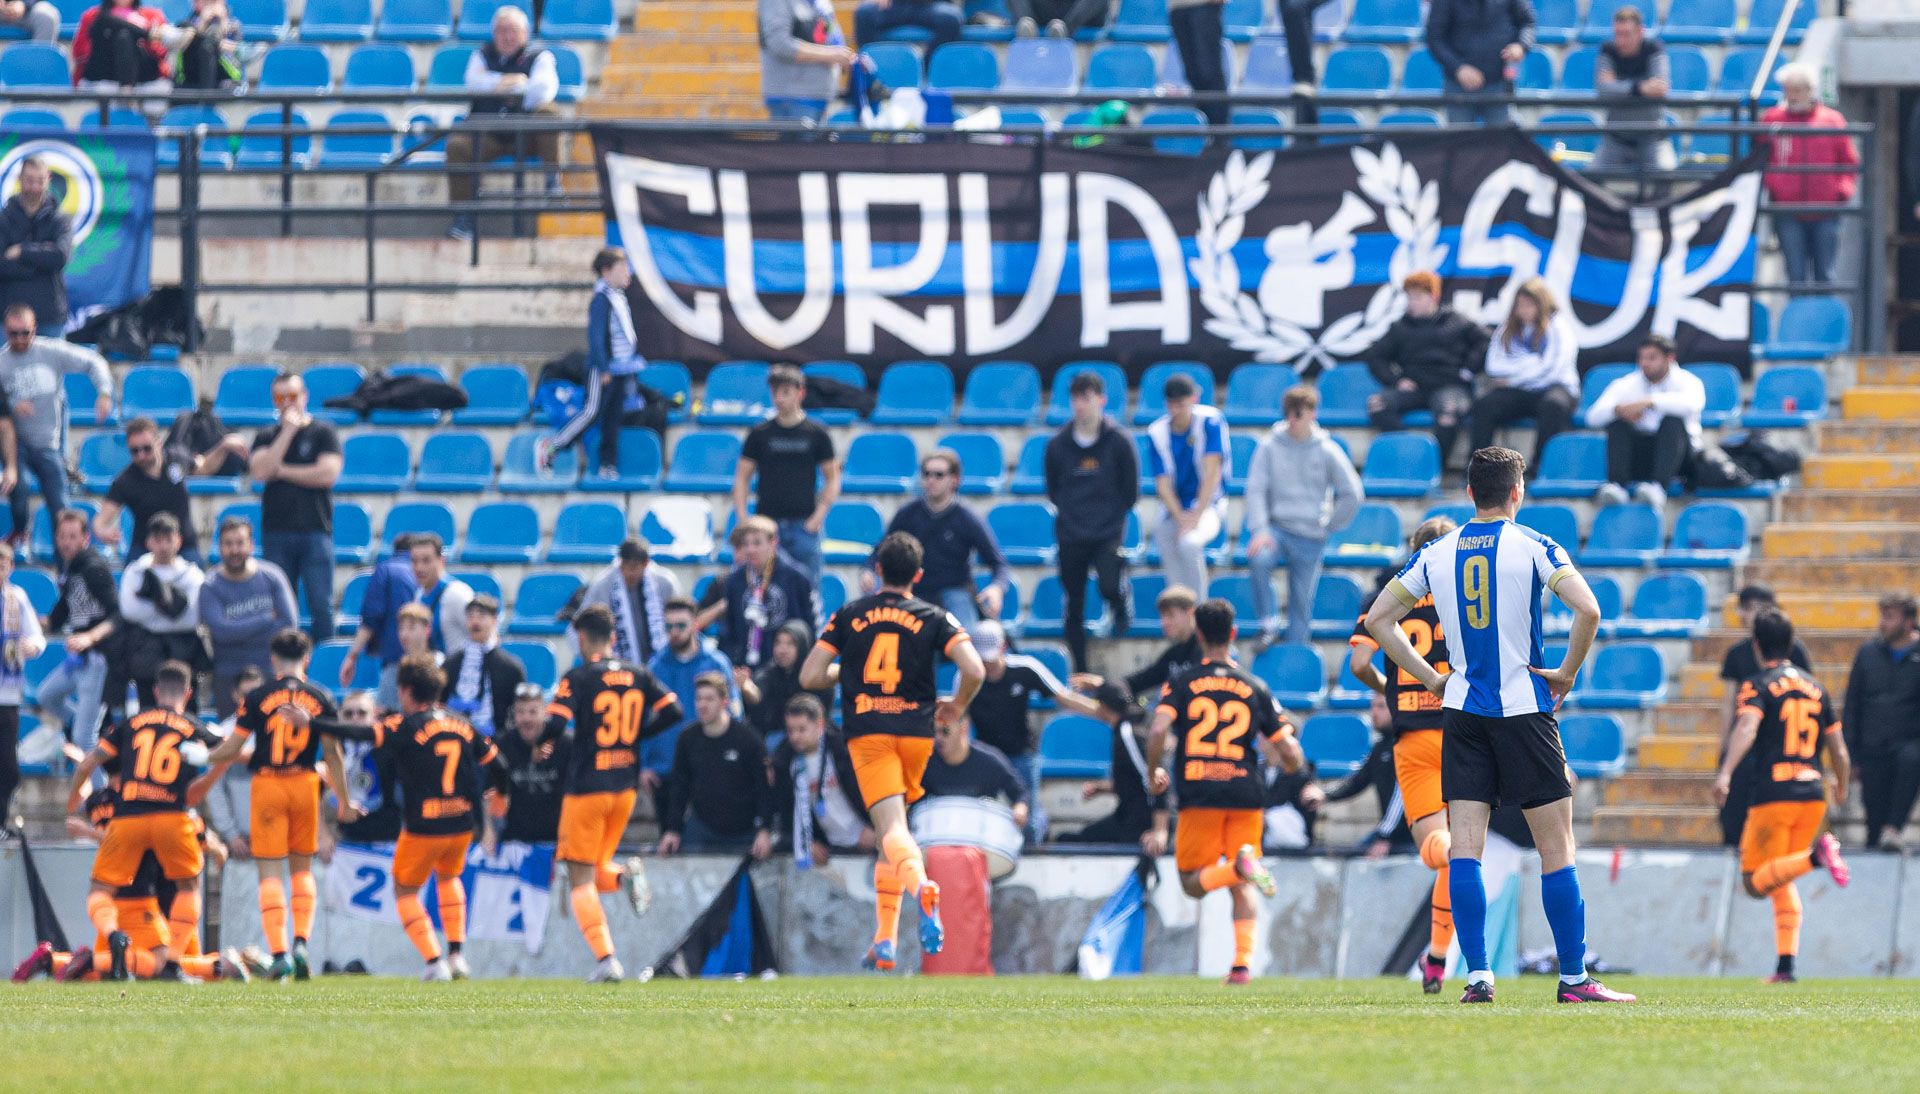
x=782, y=74
x=240, y=616
x=38, y=376
x=1308, y=488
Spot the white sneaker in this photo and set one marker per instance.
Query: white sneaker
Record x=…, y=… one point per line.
x=634, y=881
x=457, y=964
x=1303, y=89
x=1651, y=493
x=1026, y=27
x=437, y=971
x=1610, y=493
x=608, y=971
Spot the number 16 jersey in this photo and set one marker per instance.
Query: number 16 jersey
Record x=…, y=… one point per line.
x=887, y=644
x=613, y=705
x=1220, y=715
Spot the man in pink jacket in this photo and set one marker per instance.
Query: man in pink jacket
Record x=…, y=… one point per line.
x=1809, y=237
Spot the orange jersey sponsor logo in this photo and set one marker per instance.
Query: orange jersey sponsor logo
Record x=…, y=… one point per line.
x=614, y=759
x=1211, y=771
x=437, y=808
x=883, y=704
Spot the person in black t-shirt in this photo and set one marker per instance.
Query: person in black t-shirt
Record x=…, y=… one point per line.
x=538, y=771
x=1136, y=807
x=1742, y=663
x=155, y=481
x=719, y=798
x=965, y=768
x=785, y=451
x=1175, y=605
x=298, y=460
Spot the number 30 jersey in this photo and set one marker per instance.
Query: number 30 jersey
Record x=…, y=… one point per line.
x=887, y=644
x=613, y=705
x=1220, y=715
x=280, y=745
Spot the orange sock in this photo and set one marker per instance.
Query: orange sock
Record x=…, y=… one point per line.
x=592, y=919
x=453, y=910
x=1242, y=943
x=606, y=879
x=102, y=911
x=1786, y=920
x=886, y=906
x=413, y=917
x=60, y=963
x=306, y=893
x=183, y=919
x=140, y=963
x=1441, y=936
x=1220, y=875
x=903, y=854
x=200, y=968
x=1781, y=871
x=273, y=912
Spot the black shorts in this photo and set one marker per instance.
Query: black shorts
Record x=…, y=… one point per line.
x=1510, y=761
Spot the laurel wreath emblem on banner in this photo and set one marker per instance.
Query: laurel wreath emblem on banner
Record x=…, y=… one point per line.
x=1412, y=214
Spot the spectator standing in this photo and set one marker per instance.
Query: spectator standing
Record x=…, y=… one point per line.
x=207, y=43
x=687, y=656
x=1190, y=460
x=1883, y=691
x=719, y=799
x=1426, y=361
x=36, y=240
x=510, y=79
x=159, y=612
x=118, y=46
x=1132, y=819
x=1809, y=239
x=414, y=624
x=244, y=602
x=538, y=771
x=758, y=596
x=954, y=540
x=88, y=612
x=636, y=591
x=1635, y=74
x=1479, y=45
x=939, y=18
x=21, y=640
x=482, y=678
x=765, y=693
x=816, y=800
x=297, y=460
x=39, y=18
x=962, y=767
x=1001, y=711
x=803, y=51
x=1652, y=419
x=1742, y=663
x=1093, y=479
x=613, y=367
x=444, y=595
x=1296, y=21
x=1532, y=371
x=155, y=481
x=390, y=586
x=373, y=777
x=34, y=368
x=1060, y=18
x=785, y=451
x=1301, y=489
x=1199, y=28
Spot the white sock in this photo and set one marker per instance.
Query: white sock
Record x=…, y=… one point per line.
x=1572, y=980
x=1480, y=976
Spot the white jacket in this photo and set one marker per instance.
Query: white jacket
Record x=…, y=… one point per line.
x=1554, y=363
x=1680, y=394
x=185, y=578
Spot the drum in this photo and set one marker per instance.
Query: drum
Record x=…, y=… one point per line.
x=970, y=822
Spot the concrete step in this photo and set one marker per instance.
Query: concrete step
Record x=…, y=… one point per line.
x=1826, y=612
x=1656, y=825
x=1700, y=680
x=1889, y=371
x=681, y=80
x=680, y=50
x=1851, y=540
x=1701, y=718
x=1829, y=648
x=1694, y=752
x=1880, y=472
x=1814, y=575
x=691, y=16
x=744, y=107
x=1681, y=789
x=1850, y=436
x=1832, y=506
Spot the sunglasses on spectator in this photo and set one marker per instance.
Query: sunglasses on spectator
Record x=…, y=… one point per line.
x=934, y=473
x=679, y=626
x=139, y=450
x=21, y=333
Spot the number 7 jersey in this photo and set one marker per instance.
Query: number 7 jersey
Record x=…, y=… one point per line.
x=1221, y=713
x=613, y=705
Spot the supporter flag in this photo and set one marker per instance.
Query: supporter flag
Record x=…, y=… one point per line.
x=729, y=939
x=104, y=182
x=46, y=925
x=508, y=892
x=1115, y=942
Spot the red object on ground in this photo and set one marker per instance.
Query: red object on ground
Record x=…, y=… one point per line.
x=966, y=909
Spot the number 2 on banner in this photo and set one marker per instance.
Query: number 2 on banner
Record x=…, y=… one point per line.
x=1476, y=591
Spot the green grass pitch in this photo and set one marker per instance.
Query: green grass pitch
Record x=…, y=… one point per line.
x=1038, y=1034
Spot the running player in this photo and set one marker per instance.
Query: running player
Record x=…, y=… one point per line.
x=890, y=707
x=612, y=705
x=1783, y=717
x=1209, y=710
x=1501, y=742
x=285, y=812
x=1416, y=748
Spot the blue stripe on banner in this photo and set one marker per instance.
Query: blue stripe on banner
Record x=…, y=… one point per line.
x=1481, y=644
x=695, y=260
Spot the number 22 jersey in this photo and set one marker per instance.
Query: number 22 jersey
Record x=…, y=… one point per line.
x=1220, y=713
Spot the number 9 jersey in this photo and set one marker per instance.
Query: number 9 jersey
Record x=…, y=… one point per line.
x=1220, y=715
x=613, y=705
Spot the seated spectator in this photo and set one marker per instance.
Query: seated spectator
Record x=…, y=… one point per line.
x=762, y=591
x=1426, y=361
x=816, y=799
x=962, y=767
x=159, y=612
x=955, y=540
x=636, y=591
x=1132, y=819
x=482, y=679
x=118, y=46
x=1002, y=710
x=1182, y=652
x=538, y=770
x=1391, y=835
x=1061, y=18
x=1292, y=809
x=1652, y=419
x=719, y=799
x=36, y=242
x=1188, y=452
x=803, y=52
x=766, y=693
x=1883, y=690
x=1634, y=67
x=1809, y=238
x=510, y=79
x=874, y=18
x=207, y=41
x=1532, y=370
x=1301, y=489
x=389, y=586
x=445, y=596
x=688, y=656
x=155, y=481
x=39, y=18
x=1479, y=45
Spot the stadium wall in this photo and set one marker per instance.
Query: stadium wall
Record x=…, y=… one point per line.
x=1655, y=912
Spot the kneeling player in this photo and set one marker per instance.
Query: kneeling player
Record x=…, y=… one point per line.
x=1783, y=717
x=1210, y=710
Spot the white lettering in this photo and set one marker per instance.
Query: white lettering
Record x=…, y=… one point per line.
x=1171, y=314
x=868, y=286
x=816, y=244
x=626, y=177
x=977, y=265
x=1679, y=287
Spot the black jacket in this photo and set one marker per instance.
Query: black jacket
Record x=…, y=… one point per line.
x=1444, y=348
x=38, y=277
x=500, y=673
x=1173, y=660
x=783, y=783
x=1883, y=694
x=1473, y=32
x=88, y=594
x=1092, y=489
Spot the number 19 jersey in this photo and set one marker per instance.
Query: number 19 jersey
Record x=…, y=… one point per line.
x=887, y=644
x=282, y=746
x=1220, y=713
x=613, y=705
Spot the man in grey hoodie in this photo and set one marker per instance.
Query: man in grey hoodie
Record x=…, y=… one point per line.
x=244, y=602
x=33, y=370
x=1301, y=488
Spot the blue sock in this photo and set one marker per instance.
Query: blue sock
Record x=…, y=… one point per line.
x=1567, y=915
x=1469, y=895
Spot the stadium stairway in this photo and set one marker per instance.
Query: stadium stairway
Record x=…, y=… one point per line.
x=1847, y=533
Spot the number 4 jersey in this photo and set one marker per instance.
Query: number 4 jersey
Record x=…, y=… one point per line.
x=613, y=705
x=1220, y=715
x=887, y=644
x=279, y=744
x=1795, y=713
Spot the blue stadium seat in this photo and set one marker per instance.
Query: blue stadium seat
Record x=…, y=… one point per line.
x=1458, y=514
x=1142, y=592
x=1810, y=328
x=1385, y=21
x=417, y=516
x=496, y=395
x=1348, y=693
x=1153, y=382
x=375, y=463
x=179, y=121
x=1568, y=131
x=1374, y=539
x=703, y=463
x=1623, y=535
x=1401, y=465
x=1237, y=590
x=30, y=65
x=895, y=64
x=1260, y=116
x=963, y=66
x=1606, y=591
x=324, y=668
x=1173, y=75
x=983, y=466
x=578, y=21
x=1717, y=147
x=327, y=381
x=248, y=511
x=1046, y=612
x=1025, y=532
x=845, y=372
x=538, y=601
x=260, y=20
x=1073, y=746
x=1421, y=76
x=480, y=581
x=1573, y=466
x=353, y=603
x=1294, y=674
x=571, y=71
x=1000, y=393
x=852, y=530
x=1140, y=21
x=1242, y=19
x=352, y=533
x=1344, y=390
x=160, y=392
x=1578, y=71
x=1268, y=67
x=358, y=150
x=39, y=586
x=1336, y=744
x=1595, y=744
x=1121, y=68
x=1722, y=382
x=1765, y=15
x=1594, y=381
x=1556, y=21
x=448, y=69
x=833, y=593
x=455, y=463
x=518, y=475
x=1672, y=605
x=1599, y=25
x=881, y=463
x=639, y=466
x=542, y=668
x=1739, y=66
x=1240, y=448
x=1253, y=393
x=295, y=68
x=670, y=378
x=1060, y=403
x=1690, y=76
x=80, y=394
x=1409, y=119
x=1787, y=396
x=1332, y=117
x=102, y=456
x=29, y=118
x=587, y=531
x=273, y=151
x=1337, y=602
x=1556, y=522
x=1030, y=471
x=1358, y=69
x=915, y=392
x=1536, y=75
x=736, y=394
x=1708, y=535
x=415, y=21
x=1175, y=117
x=377, y=67
x=476, y=17
x=336, y=21
x=1624, y=676
x=501, y=532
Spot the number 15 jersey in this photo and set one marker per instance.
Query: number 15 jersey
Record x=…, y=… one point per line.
x=1220, y=713
x=1796, y=714
x=887, y=644
x=613, y=705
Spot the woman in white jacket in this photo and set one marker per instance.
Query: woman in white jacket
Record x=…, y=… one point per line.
x=1532, y=370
